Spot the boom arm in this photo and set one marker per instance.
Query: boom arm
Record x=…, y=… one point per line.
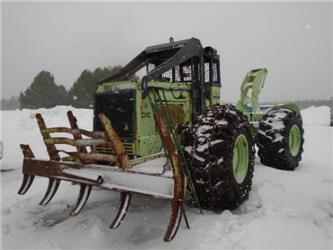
x=253, y=81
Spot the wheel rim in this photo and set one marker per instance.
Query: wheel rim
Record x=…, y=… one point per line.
x=240, y=161
x=294, y=140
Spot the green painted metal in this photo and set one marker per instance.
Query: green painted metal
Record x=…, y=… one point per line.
x=214, y=96
x=158, y=99
x=251, y=88
x=116, y=86
x=240, y=161
x=294, y=140
x=140, y=160
x=147, y=140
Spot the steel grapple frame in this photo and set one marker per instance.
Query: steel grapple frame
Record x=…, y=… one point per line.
x=117, y=172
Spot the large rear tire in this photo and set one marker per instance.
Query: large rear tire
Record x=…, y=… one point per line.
x=220, y=149
x=280, y=139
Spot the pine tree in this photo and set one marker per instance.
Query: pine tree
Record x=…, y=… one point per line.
x=43, y=93
x=81, y=95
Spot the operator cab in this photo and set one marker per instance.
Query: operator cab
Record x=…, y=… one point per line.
x=188, y=73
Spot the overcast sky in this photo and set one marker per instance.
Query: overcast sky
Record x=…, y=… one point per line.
x=293, y=40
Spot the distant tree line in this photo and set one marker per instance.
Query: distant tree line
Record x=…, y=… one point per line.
x=10, y=104
x=303, y=104
x=44, y=92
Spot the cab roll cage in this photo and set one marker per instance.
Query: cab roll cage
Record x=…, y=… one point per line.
x=187, y=60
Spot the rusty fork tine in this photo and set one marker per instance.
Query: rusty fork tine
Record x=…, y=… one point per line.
x=185, y=217
x=116, y=142
x=125, y=200
x=82, y=199
x=27, y=179
x=174, y=222
x=75, y=130
x=50, y=192
x=51, y=148
x=26, y=183
x=179, y=179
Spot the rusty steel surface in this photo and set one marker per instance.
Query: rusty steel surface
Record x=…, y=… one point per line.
x=75, y=131
x=57, y=168
x=54, y=169
x=179, y=179
x=27, y=179
x=26, y=150
x=82, y=199
x=176, y=112
x=116, y=143
x=125, y=201
x=68, y=171
x=26, y=184
x=93, y=157
x=50, y=192
x=77, y=143
x=51, y=149
x=92, y=134
x=88, y=158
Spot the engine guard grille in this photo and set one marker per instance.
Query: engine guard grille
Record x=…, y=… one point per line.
x=107, y=150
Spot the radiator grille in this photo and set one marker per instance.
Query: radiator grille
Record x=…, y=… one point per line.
x=107, y=150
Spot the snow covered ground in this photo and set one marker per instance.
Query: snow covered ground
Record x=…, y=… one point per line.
x=286, y=210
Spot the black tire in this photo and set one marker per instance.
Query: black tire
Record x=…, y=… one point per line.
x=209, y=146
x=273, y=139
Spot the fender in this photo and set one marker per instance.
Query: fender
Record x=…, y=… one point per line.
x=291, y=106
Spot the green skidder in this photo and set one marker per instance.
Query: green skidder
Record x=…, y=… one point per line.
x=218, y=140
x=174, y=112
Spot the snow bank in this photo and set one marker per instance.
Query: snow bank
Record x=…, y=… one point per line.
x=316, y=115
x=20, y=127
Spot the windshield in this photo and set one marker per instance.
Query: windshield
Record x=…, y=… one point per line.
x=119, y=107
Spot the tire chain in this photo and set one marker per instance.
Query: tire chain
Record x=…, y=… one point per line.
x=211, y=175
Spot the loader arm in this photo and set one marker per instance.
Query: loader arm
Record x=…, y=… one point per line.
x=251, y=88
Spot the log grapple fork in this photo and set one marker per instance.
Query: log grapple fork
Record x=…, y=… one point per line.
x=90, y=168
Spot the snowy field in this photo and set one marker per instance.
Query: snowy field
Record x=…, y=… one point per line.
x=286, y=210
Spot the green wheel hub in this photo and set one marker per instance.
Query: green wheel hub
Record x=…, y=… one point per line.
x=294, y=140
x=240, y=161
